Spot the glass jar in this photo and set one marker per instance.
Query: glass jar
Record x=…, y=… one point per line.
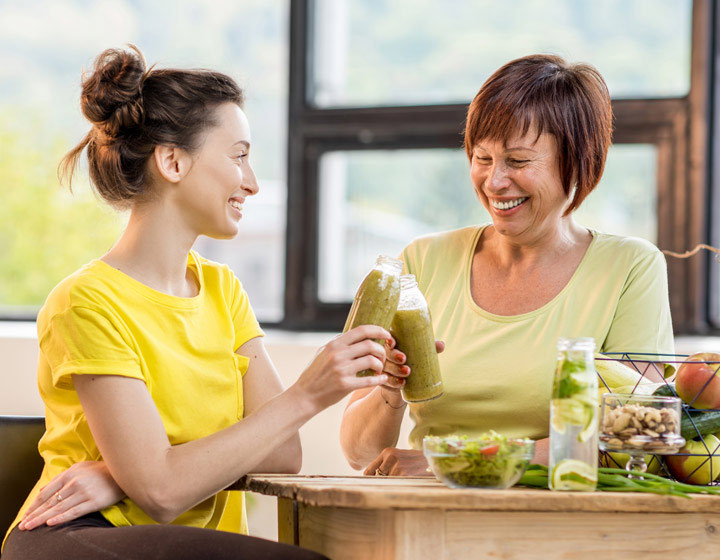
x=574, y=417
x=377, y=298
x=413, y=332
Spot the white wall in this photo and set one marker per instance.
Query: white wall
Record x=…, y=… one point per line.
x=291, y=353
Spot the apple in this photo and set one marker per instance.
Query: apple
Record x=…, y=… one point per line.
x=697, y=383
x=696, y=468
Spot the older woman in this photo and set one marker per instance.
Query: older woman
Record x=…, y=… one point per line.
x=501, y=294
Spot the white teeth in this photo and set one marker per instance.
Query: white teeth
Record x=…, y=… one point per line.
x=509, y=204
x=236, y=204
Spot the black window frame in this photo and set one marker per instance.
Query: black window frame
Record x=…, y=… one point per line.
x=681, y=128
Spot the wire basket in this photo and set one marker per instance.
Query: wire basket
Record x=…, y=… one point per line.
x=699, y=461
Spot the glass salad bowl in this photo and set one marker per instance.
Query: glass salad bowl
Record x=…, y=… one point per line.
x=487, y=461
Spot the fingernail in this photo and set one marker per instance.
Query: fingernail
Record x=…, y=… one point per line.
x=402, y=357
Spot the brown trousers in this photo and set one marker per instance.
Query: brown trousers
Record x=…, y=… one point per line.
x=92, y=537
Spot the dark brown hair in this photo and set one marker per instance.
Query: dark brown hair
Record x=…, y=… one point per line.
x=134, y=109
x=569, y=101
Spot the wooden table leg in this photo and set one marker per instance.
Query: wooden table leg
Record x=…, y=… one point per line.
x=288, y=521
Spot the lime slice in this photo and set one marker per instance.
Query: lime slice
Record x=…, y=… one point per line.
x=576, y=411
x=591, y=423
x=572, y=474
x=558, y=416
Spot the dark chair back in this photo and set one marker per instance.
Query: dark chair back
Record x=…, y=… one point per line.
x=20, y=463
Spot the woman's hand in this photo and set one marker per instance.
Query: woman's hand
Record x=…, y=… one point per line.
x=398, y=462
x=83, y=488
x=395, y=365
x=332, y=374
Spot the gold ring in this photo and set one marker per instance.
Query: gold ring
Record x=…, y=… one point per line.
x=378, y=472
x=59, y=497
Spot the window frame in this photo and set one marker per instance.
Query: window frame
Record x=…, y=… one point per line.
x=679, y=127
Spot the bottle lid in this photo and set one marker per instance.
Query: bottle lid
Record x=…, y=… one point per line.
x=389, y=263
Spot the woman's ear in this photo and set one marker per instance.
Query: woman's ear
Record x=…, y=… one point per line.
x=172, y=163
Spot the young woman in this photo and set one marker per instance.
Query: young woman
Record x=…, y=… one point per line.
x=158, y=390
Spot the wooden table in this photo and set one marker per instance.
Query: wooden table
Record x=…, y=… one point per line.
x=382, y=518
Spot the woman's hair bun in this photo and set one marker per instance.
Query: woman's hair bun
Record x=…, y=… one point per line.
x=112, y=95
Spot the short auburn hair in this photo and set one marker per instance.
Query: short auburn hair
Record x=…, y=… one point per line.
x=569, y=101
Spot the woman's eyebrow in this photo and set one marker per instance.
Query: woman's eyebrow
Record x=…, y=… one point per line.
x=517, y=148
x=243, y=142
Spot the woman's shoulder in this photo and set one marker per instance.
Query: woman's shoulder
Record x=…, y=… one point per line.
x=624, y=247
x=88, y=287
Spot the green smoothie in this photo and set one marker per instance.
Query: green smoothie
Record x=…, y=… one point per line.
x=413, y=332
x=375, y=304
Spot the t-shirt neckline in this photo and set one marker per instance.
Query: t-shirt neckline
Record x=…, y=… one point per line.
x=155, y=295
x=513, y=318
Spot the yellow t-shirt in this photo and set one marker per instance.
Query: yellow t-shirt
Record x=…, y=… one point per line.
x=498, y=370
x=100, y=321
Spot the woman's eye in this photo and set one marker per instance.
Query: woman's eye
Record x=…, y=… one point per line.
x=241, y=157
x=517, y=162
x=482, y=159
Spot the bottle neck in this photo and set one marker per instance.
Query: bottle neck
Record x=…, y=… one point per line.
x=407, y=282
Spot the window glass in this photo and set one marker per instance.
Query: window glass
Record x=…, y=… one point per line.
x=375, y=202
x=45, y=233
x=408, y=52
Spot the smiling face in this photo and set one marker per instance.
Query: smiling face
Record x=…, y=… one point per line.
x=214, y=190
x=518, y=182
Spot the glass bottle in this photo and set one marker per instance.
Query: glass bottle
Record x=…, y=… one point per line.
x=574, y=418
x=413, y=332
x=376, y=299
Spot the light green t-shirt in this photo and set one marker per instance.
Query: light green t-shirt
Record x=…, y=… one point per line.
x=498, y=370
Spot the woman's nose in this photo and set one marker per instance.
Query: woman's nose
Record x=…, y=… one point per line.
x=497, y=177
x=250, y=183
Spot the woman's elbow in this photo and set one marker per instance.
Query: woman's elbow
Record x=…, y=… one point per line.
x=157, y=504
x=294, y=460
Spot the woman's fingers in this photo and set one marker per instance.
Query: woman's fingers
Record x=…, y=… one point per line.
x=365, y=331
x=54, y=506
x=365, y=348
x=374, y=465
x=396, y=356
x=46, y=494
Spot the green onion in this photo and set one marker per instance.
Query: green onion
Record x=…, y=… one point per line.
x=619, y=480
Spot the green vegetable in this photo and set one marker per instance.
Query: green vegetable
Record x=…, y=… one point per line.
x=487, y=461
x=665, y=390
x=617, y=480
x=702, y=423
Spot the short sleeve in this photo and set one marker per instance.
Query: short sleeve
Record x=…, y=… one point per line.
x=83, y=341
x=244, y=321
x=642, y=321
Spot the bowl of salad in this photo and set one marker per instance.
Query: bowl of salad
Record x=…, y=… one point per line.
x=489, y=460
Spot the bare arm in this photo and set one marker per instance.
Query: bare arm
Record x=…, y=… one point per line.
x=260, y=384
x=369, y=424
x=372, y=419
x=167, y=480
